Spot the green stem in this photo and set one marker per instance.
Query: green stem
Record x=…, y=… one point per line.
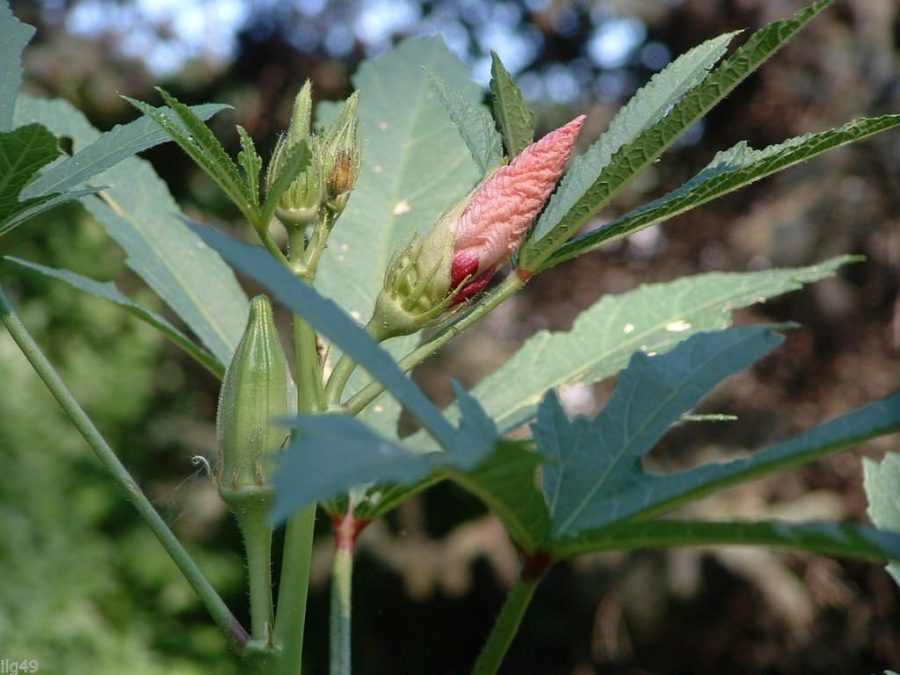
x=339, y=378
x=356, y=403
x=293, y=585
x=341, y=586
x=293, y=589
x=504, y=630
x=266, y=237
x=231, y=627
x=251, y=517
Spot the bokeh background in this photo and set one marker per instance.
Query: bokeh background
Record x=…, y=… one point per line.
x=85, y=587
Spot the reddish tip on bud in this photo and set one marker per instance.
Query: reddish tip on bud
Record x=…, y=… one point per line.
x=493, y=225
x=457, y=259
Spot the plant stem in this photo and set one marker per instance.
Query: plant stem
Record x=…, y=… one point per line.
x=341, y=586
x=356, y=403
x=340, y=376
x=506, y=626
x=293, y=585
x=251, y=516
x=231, y=627
x=293, y=589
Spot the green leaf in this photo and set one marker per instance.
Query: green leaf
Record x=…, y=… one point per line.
x=37, y=205
x=140, y=214
x=659, y=494
x=415, y=166
x=329, y=320
x=729, y=171
x=14, y=36
x=515, y=118
x=633, y=156
x=108, y=291
x=357, y=455
x=110, y=148
x=882, y=484
x=595, y=462
x=506, y=482
x=298, y=158
x=475, y=125
x=651, y=103
x=651, y=318
x=22, y=154
x=201, y=145
x=847, y=540
x=251, y=164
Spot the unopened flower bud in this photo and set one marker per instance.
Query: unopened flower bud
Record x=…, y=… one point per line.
x=458, y=258
x=257, y=388
x=342, y=154
x=300, y=202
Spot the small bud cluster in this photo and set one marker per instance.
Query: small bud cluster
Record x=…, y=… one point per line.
x=334, y=167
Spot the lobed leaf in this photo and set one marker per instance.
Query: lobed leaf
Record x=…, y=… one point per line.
x=14, y=36
x=110, y=148
x=730, y=170
x=357, y=455
x=595, y=462
x=651, y=103
x=632, y=157
x=659, y=494
x=882, y=484
x=515, y=118
x=201, y=145
x=140, y=214
x=651, y=318
x=109, y=291
x=847, y=540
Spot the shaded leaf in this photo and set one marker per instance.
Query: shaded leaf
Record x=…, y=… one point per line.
x=109, y=291
x=356, y=455
x=632, y=157
x=882, y=484
x=847, y=540
x=38, y=205
x=14, y=36
x=515, y=118
x=140, y=214
x=729, y=171
x=595, y=461
x=22, y=154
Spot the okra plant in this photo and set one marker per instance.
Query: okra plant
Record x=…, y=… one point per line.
x=388, y=227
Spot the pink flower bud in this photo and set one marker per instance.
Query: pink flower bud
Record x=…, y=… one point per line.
x=494, y=223
x=458, y=258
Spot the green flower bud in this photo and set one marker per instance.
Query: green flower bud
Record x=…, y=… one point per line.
x=342, y=154
x=300, y=203
x=257, y=388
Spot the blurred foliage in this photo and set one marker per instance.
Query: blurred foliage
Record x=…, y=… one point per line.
x=86, y=588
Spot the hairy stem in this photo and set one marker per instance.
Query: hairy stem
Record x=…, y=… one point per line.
x=346, y=530
x=231, y=627
x=251, y=517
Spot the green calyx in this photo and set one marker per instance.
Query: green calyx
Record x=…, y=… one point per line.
x=416, y=290
x=256, y=389
x=301, y=201
x=341, y=155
